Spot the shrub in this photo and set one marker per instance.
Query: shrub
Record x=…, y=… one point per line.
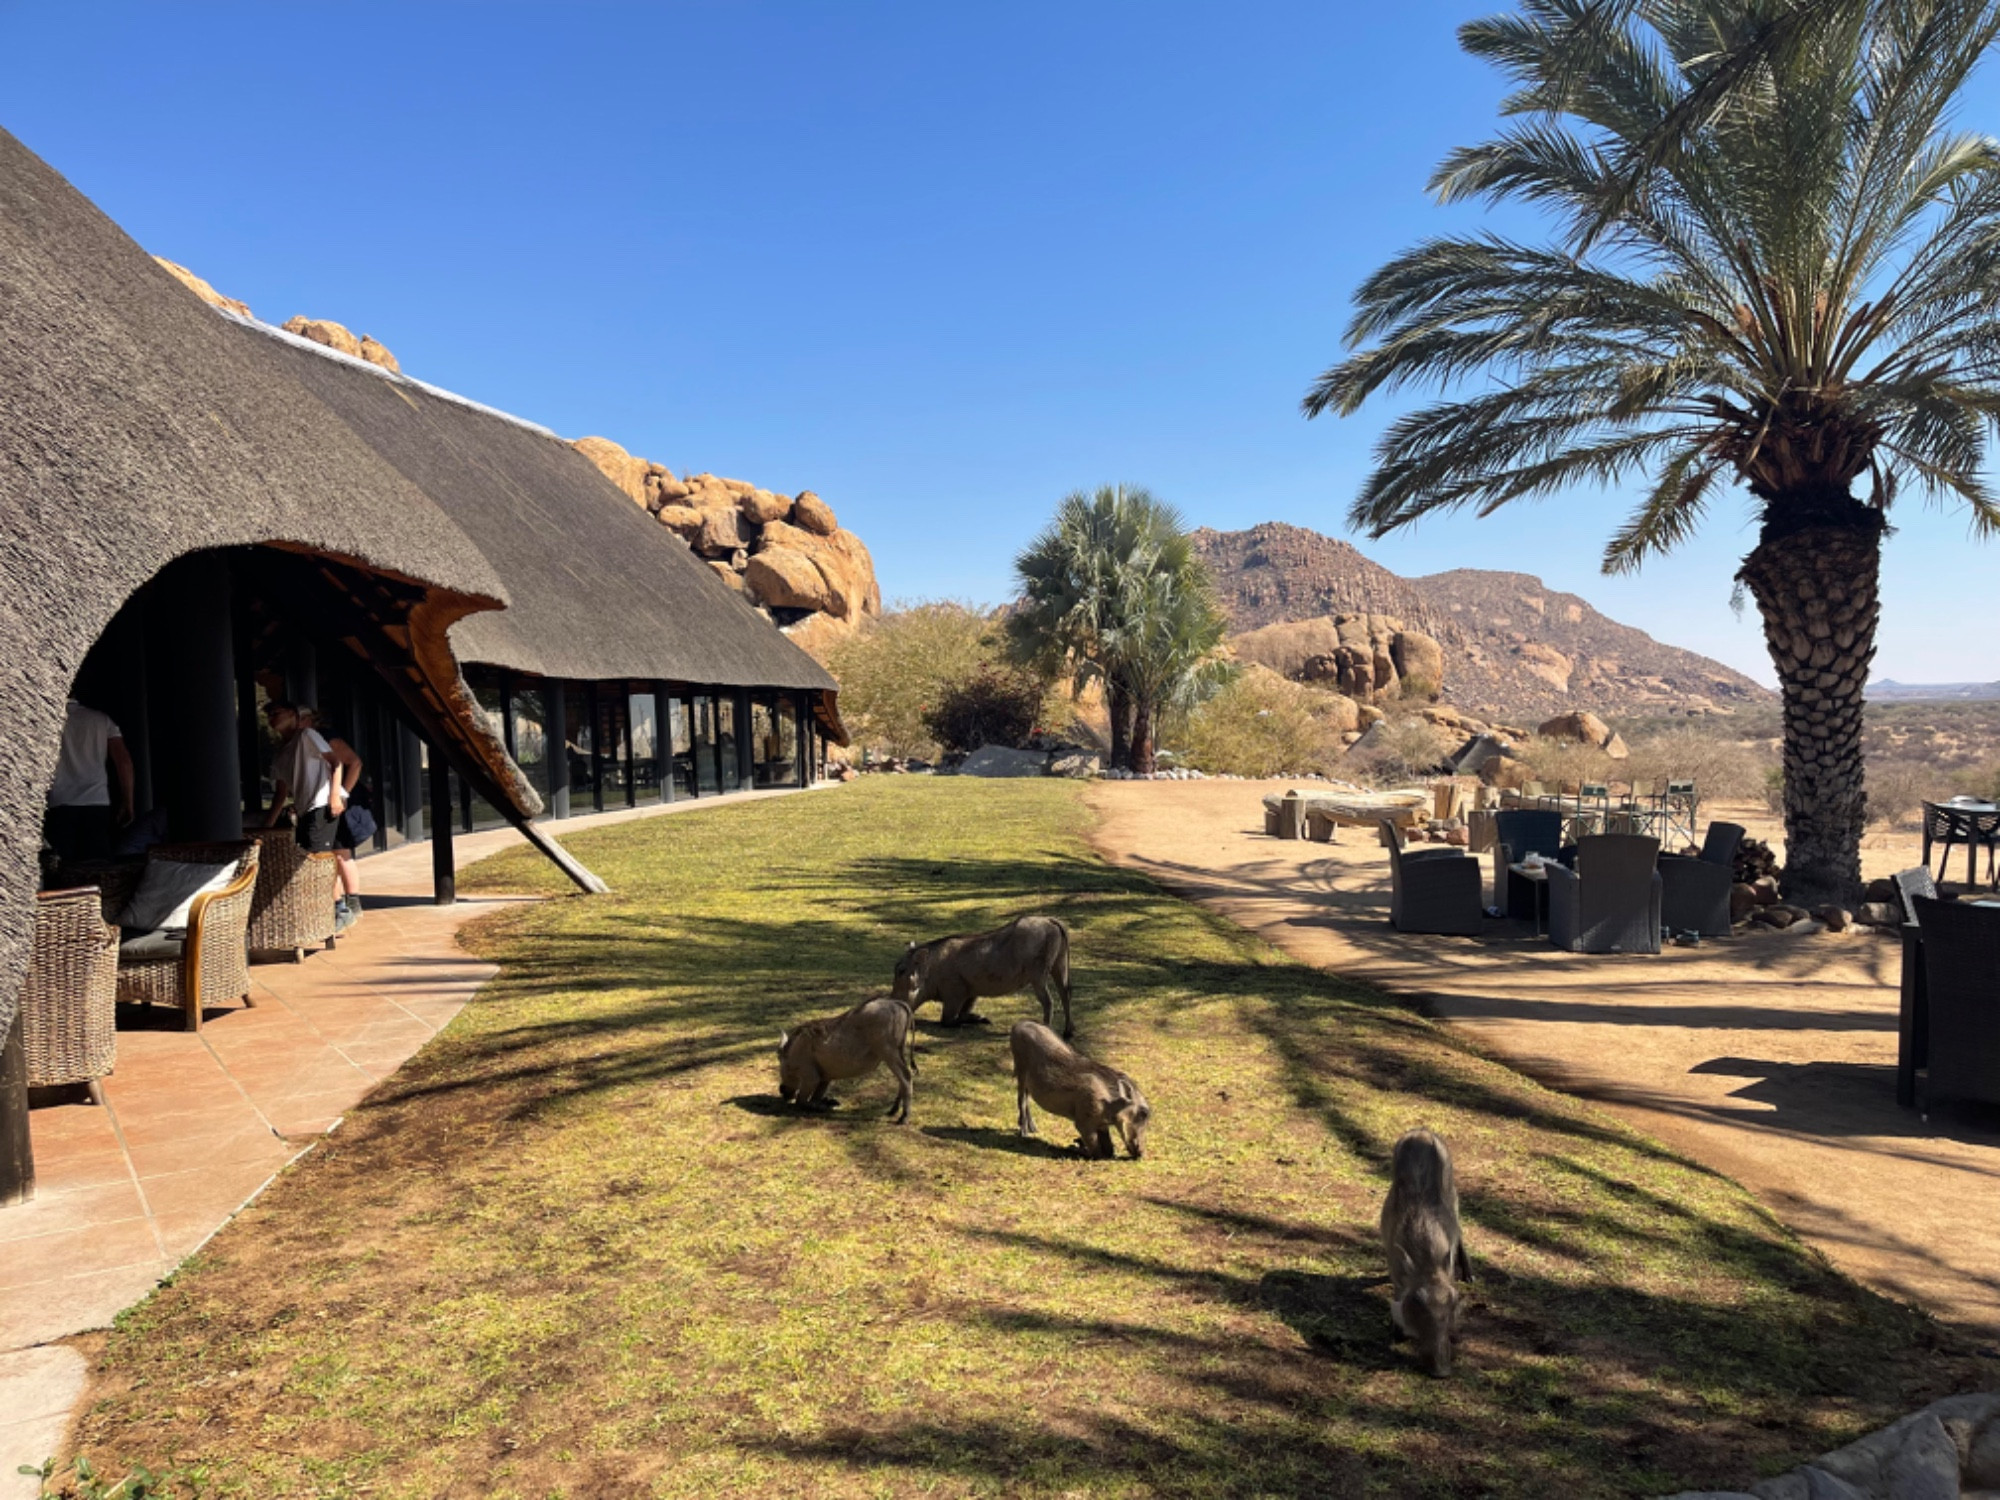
x=1720, y=764
x=1897, y=787
x=1418, y=687
x=1774, y=790
x=1260, y=725
x=1403, y=750
x=898, y=669
x=994, y=706
x=1566, y=763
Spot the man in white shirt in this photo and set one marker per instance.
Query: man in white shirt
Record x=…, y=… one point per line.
x=306, y=775
x=82, y=811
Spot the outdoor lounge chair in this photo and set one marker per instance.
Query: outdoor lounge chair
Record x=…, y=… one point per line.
x=1611, y=902
x=1962, y=982
x=292, y=907
x=1517, y=832
x=207, y=963
x=1911, y=884
x=69, y=1002
x=1694, y=895
x=1433, y=890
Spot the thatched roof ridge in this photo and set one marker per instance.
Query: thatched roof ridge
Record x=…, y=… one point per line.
x=137, y=426
x=596, y=587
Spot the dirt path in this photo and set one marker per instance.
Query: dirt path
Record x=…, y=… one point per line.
x=1770, y=1058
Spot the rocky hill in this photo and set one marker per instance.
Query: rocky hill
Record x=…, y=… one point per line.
x=1512, y=648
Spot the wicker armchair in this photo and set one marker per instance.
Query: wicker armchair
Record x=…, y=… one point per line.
x=211, y=965
x=292, y=907
x=1962, y=983
x=1611, y=902
x=69, y=1002
x=1694, y=889
x=1433, y=890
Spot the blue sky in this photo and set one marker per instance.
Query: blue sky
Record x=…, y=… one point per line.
x=940, y=263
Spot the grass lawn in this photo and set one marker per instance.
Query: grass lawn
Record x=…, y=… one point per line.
x=576, y=1247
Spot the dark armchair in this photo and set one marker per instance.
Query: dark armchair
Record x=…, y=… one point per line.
x=1962, y=982
x=1611, y=902
x=1517, y=832
x=1433, y=890
x=1694, y=890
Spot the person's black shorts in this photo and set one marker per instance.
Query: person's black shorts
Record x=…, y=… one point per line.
x=316, y=830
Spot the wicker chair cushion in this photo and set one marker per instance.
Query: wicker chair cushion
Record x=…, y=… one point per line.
x=152, y=947
x=167, y=890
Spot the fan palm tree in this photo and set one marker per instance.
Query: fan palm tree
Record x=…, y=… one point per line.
x=1775, y=263
x=1112, y=591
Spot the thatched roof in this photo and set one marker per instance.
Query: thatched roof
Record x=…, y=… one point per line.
x=596, y=587
x=137, y=425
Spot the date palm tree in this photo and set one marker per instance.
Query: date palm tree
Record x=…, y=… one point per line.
x=1112, y=591
x=1774, y=263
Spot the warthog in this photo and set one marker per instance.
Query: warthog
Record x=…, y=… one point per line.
x=1029, y=953
x=1420, y=1234
x=850, y=1045
x=1062, y=1080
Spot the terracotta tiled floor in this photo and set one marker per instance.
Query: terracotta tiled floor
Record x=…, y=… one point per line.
x=193, y=1125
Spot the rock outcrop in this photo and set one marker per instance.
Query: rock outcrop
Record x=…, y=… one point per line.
x=203, y=290
x=787, y=553
x=1370, y=658
x=335, y=336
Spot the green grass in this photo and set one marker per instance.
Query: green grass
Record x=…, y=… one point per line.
x=576, y=1248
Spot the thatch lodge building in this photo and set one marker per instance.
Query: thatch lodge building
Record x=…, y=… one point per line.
x=202, y=512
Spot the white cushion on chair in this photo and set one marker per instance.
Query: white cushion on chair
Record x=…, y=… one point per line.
x=167, y=889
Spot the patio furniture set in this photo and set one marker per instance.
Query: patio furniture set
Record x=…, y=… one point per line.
x=1948, y=1026
x=175, y=928
x=1602, y=893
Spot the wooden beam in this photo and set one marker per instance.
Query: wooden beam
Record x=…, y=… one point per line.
x=17, y=1156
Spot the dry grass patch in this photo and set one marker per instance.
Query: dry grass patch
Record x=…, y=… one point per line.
x=575, y=1248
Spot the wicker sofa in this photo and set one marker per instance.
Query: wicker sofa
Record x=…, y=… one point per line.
x=1962, y=984
x=291, y=909
x=69, y=1000
x=211, y=964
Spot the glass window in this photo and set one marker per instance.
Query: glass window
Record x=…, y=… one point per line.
x=681, y=723
x=726, y=753
x=640, y=715
x=530, y=724
x=614, y=751
x=706, y=774
x=580, y=727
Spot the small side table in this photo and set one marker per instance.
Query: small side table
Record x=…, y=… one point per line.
x=1538, y=877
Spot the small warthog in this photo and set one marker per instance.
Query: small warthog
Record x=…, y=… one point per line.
x=1029, y=953
x=1062, y=1080
x=1426, y=1254
x=850, y=1045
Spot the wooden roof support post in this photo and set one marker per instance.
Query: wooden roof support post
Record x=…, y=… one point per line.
x=17, y=1156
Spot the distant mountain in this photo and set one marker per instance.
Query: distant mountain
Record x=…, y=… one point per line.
x=1513, y=648
x=1891, y=691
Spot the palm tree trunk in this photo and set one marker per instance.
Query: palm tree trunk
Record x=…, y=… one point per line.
x=1142, y=737
x=1815, y=575
x=1119, y=704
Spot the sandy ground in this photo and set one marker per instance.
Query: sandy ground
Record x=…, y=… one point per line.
x=1770, y=1058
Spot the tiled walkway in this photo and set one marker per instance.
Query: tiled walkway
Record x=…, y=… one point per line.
x=193, y=1125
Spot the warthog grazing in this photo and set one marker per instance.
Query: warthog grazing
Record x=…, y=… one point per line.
x=850, y=1045
x=1029, y=953
x=1062, y=1080
x=1420, y=1234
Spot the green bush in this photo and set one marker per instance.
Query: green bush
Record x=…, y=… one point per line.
x=1720, y=763
x=994, y=706
x=898, y=670
x=1260, y=725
